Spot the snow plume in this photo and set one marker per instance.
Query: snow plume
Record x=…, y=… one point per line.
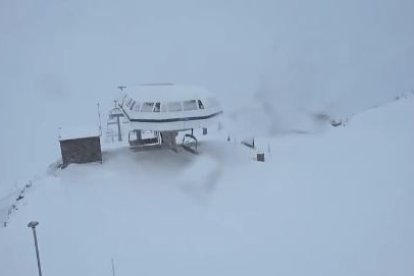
x=340, y=60
x=200, y=178
x=295, y=91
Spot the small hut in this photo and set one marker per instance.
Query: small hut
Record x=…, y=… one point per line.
x=80, y=145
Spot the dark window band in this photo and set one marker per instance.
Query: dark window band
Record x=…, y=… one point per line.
x=171, y=119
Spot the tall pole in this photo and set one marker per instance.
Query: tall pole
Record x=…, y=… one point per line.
x=33, y=225
x=118, y=121
x=113, y=267
x=100, y=124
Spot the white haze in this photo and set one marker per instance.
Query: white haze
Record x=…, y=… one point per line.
x=59, y=58
x=338, y=58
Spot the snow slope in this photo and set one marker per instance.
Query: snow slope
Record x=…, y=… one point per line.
x=333, y=203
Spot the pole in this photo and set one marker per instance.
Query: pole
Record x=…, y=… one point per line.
x=33, y=225
x=100, y=124
x=113, y=267
x=118, y=121
x=37, y=252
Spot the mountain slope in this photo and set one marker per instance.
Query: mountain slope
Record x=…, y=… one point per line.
x=333, y=203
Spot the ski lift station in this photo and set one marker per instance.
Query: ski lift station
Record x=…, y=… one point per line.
x=155, y=114
x=158, y=112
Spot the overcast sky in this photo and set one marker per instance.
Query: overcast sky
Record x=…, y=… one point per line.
x=59, y=58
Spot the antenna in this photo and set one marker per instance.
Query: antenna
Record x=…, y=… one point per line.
x=100, y=123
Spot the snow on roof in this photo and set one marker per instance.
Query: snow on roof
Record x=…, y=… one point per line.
x=68, y=133
x=167, y=92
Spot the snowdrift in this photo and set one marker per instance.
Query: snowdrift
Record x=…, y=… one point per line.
x=333, y=203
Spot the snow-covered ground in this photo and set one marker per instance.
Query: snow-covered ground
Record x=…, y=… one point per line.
x=338, y=202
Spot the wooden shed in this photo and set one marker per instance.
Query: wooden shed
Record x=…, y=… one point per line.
x=80, y=147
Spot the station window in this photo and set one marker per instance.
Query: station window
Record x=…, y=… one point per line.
x=147, y=107
x=137, y=106
x=163, y=107
x=200, y=105
x=132, y=105
x=129, y=102
x=190, y=105
x=157, y=107
x=174, y=106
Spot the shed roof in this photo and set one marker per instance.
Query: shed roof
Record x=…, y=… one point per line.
x=69, y=133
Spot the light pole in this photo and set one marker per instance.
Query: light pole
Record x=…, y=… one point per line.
x=33, y=225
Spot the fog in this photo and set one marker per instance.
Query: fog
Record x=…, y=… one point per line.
x=295, y=58
x=338, y=59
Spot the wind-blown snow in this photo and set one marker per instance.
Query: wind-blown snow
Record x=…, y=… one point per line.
x=59, y=58
x=334, y=203
x=336, y=59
